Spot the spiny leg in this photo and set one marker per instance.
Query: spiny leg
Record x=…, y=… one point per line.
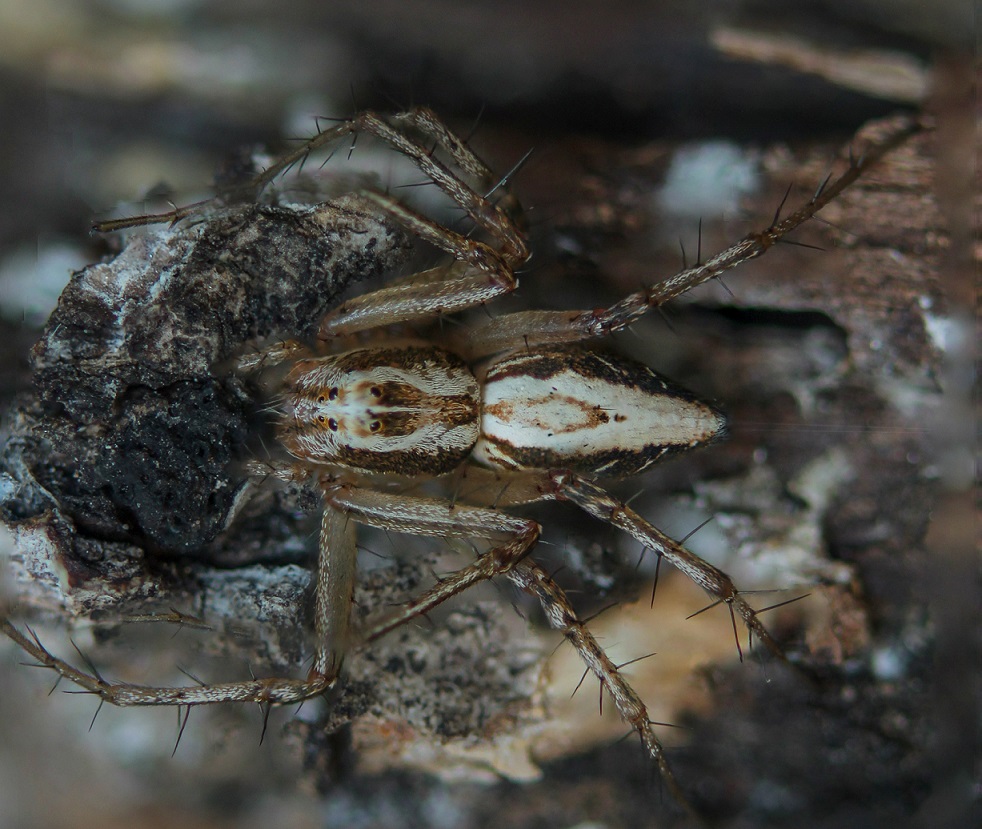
x=438, y=518
x=530, y=328
x=272, y=355
x=481, y=272
x=265, y=691
x=435, y=517
x=480, y=209
x=490, y=217
x=478, y=276
x=522, y=488
x=490, y=485
x=510, y=240
x=596, y=501
x=422, y=516
x=494, y=486
x=344, y=505
x=531, y=578
x=337, y=556
x=427, y=122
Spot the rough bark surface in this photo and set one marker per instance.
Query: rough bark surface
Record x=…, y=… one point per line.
x=122, y=439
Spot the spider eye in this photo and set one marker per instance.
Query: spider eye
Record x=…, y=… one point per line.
x=375, y=391
x=333, y=393
x=375, y=426
x=332, y=424
x=321, y=398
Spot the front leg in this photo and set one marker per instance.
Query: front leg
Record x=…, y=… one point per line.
x=335, y=580
x=444, y=290
x=272, y=355
x=263, y=691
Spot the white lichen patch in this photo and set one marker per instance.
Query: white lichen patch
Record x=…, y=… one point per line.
x=708, y=179
x=771, y=542
x=33, y=277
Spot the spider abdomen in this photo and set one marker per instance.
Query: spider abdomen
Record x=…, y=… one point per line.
x=599, y=414
x=409, y=410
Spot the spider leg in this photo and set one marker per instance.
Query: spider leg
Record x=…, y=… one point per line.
x=481, y=272
x=272, y=355
x=501, y=222
x=434, y=517
x=428, y=123
x=247, y=191
x=489, y=216
x=594, y=500
x=332, y=601
x=531, y=578
x=479, y=275
x=531, y=328
x=502, y=489
x=510, y=239
x=123, y=694
x=333, y=595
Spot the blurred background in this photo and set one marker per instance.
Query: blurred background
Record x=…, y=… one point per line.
x=113, y=100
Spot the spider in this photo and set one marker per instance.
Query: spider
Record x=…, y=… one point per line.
x=514, y=410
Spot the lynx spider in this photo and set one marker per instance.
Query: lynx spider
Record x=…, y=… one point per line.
x=512, y=412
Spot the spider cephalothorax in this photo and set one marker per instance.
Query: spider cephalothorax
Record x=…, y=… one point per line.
x=515, y=409
x=412, y=410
